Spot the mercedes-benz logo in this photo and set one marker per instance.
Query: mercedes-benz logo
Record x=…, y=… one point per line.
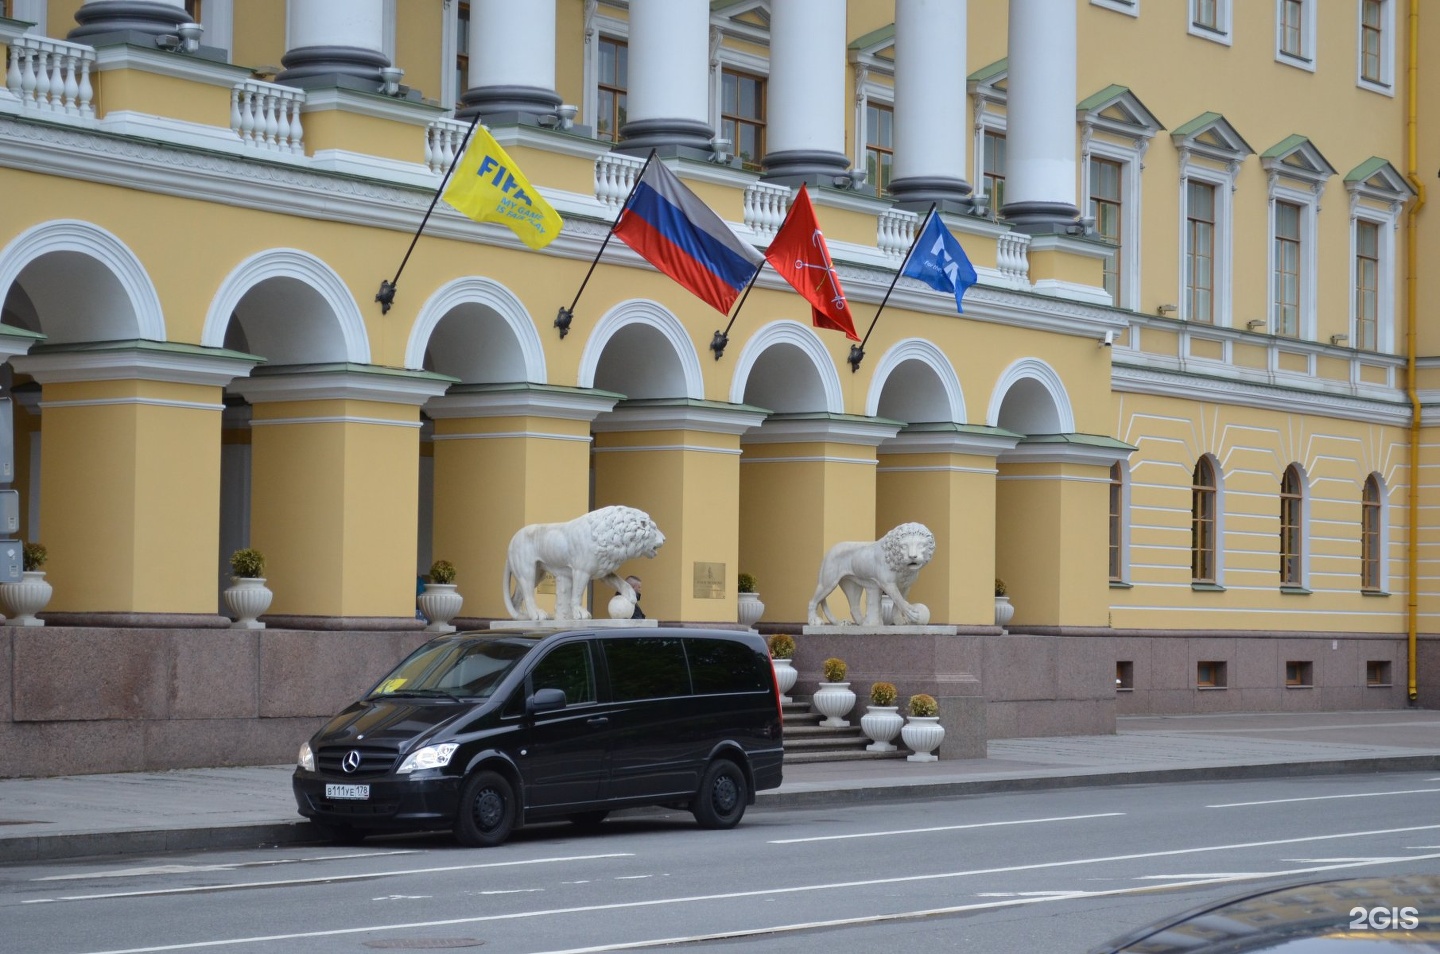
x=351, y=761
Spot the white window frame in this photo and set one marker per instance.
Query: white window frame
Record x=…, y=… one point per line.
x=868, y=65
x=1223, y=181
x=1134, y=134
x=984, y=96
x=1386, y=86
x=1303, y=582
x=1219, y=517
x=35, y=11
x=1309, y=204
x=1122, y=545
x=1224, y=21
x=1127, y=7
x=1307, y=36
x=1383, y=209
x=1383, y=545
x=449, y=45
x=723, y=58
x=598, y=25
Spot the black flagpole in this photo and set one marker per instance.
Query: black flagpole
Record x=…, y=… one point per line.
x=722, y=338
x=565, y=315
x=857, y=352
x=386, y=295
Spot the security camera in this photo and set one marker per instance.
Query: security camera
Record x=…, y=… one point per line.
x=1108, y=341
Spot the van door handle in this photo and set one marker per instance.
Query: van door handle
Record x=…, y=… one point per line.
x=598, y=720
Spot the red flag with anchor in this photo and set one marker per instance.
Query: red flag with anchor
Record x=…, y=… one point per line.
x=799, y=254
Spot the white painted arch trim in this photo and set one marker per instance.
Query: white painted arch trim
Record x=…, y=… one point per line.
x=1035, y=370
x=493, y=295
x=917, y=349
x=303, y=267
x=802, y=337
x=74, y=235
x=642, y=311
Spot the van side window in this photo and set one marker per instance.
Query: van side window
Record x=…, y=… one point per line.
x=651, y=667
x=720, y=666
x=569, y=668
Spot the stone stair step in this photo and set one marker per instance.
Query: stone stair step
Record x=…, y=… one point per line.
x=853, y=755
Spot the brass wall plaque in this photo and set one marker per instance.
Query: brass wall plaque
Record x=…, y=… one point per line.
x=709, y=581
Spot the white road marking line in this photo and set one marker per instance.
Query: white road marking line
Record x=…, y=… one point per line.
x=403, y=897
x=633, y=877
x=923, y=831
x=1029, y=894
x=798, y=889
x=513, y=891
x=1321, y=798
x=331, y=879
x=1229, y=875
x=188, y=869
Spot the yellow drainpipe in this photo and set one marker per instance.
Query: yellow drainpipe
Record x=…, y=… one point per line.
x=1412, y=548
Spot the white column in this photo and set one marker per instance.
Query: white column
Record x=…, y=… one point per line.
x=512, y=61
x=669, y=96
x=930, y=129
x=334, y=43
x=153, y=17
x=806, y=101
x=1040, y=133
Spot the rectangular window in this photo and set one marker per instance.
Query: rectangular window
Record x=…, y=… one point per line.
x=1299, y=674
x=1106, y=207
x=1372, y=26
x=1367, y=285
x=1207, y=15
x=646, y=668
x=1210, y=675
x=879, y=145
x=1377, y=672
x=1124, y=676
x=462, y=48
x=1287, y=270
x=742, y=116
x=569, y=669
x=1200, y=251
x=995, y=170
x=1292, y=28
x=614, y=82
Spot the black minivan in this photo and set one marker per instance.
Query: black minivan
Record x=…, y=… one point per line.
x=484, y=732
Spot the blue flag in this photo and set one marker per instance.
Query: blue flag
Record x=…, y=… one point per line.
x=940, y=262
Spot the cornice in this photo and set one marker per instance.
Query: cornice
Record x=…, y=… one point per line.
x=342, y=382
x=710, y=417
x=135, y=360
x=522, y=400
x=1190, y=387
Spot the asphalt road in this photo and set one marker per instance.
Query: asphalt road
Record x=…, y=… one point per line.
x=1042, y=872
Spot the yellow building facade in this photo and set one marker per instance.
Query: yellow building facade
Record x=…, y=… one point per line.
x=1185, y=414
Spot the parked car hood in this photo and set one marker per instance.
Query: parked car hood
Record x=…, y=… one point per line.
x=395, y=720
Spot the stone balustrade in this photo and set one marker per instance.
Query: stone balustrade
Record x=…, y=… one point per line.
x=51, y=76
x=443, y=139
x=766, y=206
x=267, y=116
x=615, y=176
x=895, y=231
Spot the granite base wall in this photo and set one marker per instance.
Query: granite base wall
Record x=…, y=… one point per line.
x=87, y=700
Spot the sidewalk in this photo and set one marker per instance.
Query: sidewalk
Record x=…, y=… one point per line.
x=78, y=816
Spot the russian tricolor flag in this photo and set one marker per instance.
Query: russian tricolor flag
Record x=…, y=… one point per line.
x=677, y=233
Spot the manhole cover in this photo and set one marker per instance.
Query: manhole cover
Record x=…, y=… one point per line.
x=424, y=943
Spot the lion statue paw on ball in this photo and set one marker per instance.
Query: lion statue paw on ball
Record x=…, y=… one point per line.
x=888, y=565
x=590, y=547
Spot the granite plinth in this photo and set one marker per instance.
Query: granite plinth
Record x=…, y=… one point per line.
x=853, y=630
x=556, y=625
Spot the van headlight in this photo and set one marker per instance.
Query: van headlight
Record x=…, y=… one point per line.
x=430, y=757
x=306, y=758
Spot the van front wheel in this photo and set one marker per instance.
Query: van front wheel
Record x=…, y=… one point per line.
x=487, y=811
x=720, y=803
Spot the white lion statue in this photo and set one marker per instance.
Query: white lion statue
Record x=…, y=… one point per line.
x=590, y=547
x=888, y=565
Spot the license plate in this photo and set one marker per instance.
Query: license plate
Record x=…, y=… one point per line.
x=347, y=791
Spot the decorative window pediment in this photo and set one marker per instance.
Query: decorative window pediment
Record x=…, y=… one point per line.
x=875, y=50
x=1377, y=179
x=1211, y=135
x=990, y=84
x=1297, y=157
x=1117, y=110
x=742, y=18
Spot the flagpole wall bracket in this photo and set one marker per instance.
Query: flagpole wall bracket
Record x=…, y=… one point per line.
x=386, y=296
x=562, y=321
x=857, y=354
x=718, y=344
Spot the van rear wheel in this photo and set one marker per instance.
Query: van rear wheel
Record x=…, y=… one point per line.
x=487, y=811
x=720, y=803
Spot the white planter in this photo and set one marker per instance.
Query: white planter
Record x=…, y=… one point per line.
x=749, y=609
x=833, y=700
x=923, y=735
x=24, y=599
x=1004, y=611
x=881, y=724
x=246, y=599
x=440, y=604
x=785, y=676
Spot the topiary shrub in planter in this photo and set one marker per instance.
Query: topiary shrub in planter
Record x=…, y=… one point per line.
x=248, y=596
x=923, y=732
x=440, y=603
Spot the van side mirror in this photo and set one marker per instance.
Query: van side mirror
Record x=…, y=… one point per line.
x=545, y=700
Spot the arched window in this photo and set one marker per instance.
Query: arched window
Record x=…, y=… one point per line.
x=1117, y=523
x=1292, y=528
x=1204, y=496
x=1371, y=543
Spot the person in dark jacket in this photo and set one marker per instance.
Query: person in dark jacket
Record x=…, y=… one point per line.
x=634, y=582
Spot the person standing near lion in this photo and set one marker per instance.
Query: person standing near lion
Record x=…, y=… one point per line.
x=590, y=547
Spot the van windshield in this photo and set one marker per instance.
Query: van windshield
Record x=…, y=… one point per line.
x=470, y=669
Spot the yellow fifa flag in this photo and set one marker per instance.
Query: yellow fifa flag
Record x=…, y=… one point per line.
x=488, y=187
